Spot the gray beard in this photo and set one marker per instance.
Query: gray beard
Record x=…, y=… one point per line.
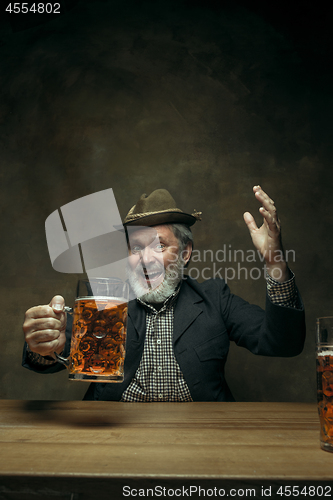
x=172, y=277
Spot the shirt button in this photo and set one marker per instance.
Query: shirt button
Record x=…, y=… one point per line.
x=158, y=341
x=160, y=396
x=159, y=368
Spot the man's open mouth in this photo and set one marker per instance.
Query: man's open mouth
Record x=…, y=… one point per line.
x=153, y=276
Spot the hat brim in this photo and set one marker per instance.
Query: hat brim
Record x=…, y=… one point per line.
x=163, y=218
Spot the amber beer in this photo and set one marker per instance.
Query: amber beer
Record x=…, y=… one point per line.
x=325, y=396
x=98, y=339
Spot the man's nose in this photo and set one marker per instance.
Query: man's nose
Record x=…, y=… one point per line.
x=147, y=256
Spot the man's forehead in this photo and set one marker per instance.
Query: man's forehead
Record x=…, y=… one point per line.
x=149, y=231
x=149, y=234
x=142, y=233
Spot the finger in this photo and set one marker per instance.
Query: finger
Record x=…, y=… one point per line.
x=43, y=318
x=40, y=312
x=46, y=341
x=47, y=348
x=250, y=222
x=260, y=193
x=41, y=324
x=258, y=189
x=267, y=205
x=266, y=200
x=45, y=311
x=271, y=220
x=57, y=303
x=42, y=336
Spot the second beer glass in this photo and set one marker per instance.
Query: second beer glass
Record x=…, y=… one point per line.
x=324, y=340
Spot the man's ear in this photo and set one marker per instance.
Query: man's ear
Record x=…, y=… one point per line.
x=187, y=252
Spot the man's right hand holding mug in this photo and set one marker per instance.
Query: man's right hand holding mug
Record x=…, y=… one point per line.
x=44, y=327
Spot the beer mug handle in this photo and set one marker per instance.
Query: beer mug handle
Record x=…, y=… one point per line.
x=61, y=359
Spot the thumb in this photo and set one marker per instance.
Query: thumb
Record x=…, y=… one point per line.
x=250, y=222
x=57, y=303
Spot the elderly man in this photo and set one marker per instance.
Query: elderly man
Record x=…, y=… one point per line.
x=178, y=330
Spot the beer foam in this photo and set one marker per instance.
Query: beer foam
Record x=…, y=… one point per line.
x=108, y=298
x=325, y=353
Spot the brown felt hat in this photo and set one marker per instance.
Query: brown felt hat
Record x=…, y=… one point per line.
x=158, y=208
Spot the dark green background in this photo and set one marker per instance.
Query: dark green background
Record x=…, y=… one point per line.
x=204, y=99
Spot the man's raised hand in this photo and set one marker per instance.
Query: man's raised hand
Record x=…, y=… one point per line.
x=267, y=238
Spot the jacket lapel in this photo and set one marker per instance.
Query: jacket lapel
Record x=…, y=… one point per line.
x=186, y=311
x=138, y=318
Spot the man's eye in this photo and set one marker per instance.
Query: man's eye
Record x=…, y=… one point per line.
x=160, y=247
x=136, y=249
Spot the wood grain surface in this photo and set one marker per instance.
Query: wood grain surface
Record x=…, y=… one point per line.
x=240, y=442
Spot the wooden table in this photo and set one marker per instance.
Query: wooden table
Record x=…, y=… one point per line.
x=107, y=450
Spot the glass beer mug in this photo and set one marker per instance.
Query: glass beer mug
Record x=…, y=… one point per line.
x=99, y=331
x=324, y=341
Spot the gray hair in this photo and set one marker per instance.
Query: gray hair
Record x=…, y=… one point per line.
x=183, y=234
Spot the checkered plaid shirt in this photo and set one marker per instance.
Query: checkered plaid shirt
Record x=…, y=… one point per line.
x=159, y=377
x=282, y=294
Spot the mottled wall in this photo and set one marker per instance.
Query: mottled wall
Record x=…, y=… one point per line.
x=141, y=95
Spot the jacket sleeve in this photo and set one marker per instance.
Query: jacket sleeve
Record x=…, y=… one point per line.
x=277, y=331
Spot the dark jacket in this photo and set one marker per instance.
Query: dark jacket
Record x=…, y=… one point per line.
x=207, y=317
